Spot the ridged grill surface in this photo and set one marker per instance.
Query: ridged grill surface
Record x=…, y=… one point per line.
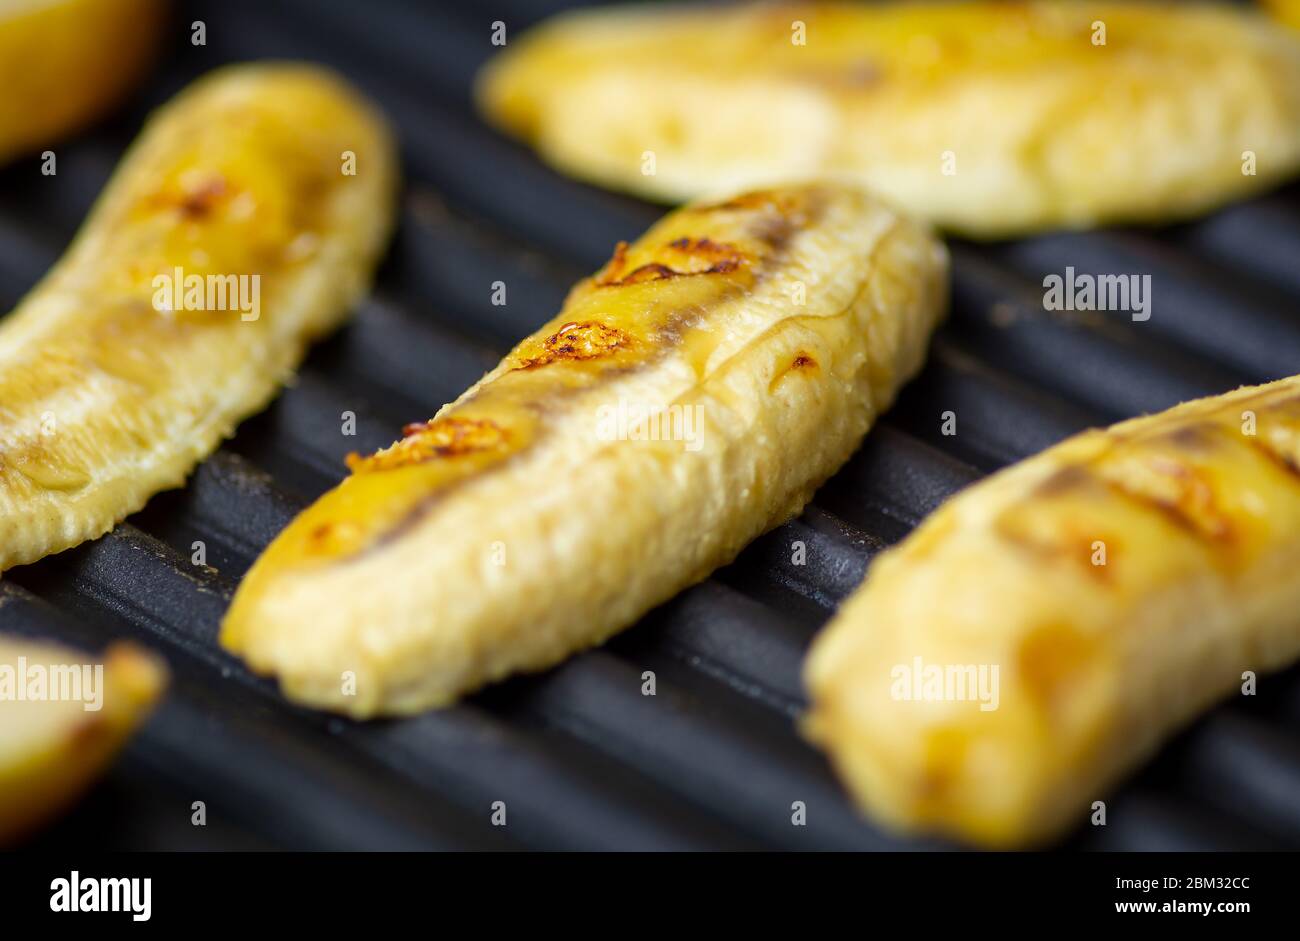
x=579, y=756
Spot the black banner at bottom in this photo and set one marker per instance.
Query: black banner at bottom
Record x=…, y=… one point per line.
x=335, y=890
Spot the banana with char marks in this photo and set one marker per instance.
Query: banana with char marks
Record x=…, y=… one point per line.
x=542, y=511
x=1120, y=582
x=111, y=390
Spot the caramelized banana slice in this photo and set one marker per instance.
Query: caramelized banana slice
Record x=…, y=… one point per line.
x=231, y=235
x=689, y=396
x=64, y=62
x=990, y=118
x=1045, y=630
x=62, y=719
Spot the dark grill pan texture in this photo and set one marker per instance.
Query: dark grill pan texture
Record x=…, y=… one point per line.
x=578, y=755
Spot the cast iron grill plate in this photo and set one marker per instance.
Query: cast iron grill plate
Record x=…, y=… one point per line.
x=580, y=758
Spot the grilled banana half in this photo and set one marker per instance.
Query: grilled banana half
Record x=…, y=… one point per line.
x=231, y=235
x=989, y=118
x=689, y=396
x=1288, y=11
x=63, y=62
x=62, y=719
x=1043, y=631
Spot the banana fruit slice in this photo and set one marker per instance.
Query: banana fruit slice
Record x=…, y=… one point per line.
x=689, y=396
x=62, y=719
x=63, y=62
x=1288, y=11
x=989, y=118
x=231, y=236
x=1045, y=630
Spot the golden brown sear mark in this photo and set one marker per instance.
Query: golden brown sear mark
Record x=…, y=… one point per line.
x=682, y=257
x=1057, y=534
x=1053, y=659
x=1181, y=492
x=757, y=199
x=199, y=202
x=191, y=204
x=333, y=536
x=425, y=441
x=1197, y=437
x=1279, y=459
x=1186, y=499
x=1070, y=478
x=589, y=339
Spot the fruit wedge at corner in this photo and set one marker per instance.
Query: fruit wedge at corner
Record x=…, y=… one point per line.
x=63, y=718
x=63, y=63
x=243, y=224
x=1288, y=11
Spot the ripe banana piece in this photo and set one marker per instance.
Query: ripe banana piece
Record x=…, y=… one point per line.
x=1288, y=11
x=1044, y=631
x=689, y=396
x=229, y=238
x=989, y=118
x=62, y=719
x=63, y=62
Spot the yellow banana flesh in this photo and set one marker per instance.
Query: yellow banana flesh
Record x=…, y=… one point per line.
x=61, y=723
x=989, y=118
x=1118, y=583
x=63, y=62
x=1288, y=11
x=689, y=396
x=112, y=384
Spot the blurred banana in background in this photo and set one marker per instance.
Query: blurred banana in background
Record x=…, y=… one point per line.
x=989, y=118
x=1046, y=629
x=1288, y=11
x=63, y=717
x=64, y=62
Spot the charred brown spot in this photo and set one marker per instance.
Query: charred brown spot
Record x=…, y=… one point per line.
x=1068, y=479
x=198, y=203
x=329, y=536
x=578, y=341
x=705, y=247
x=1283, y=461
x=1058, y=539
x=777, y=215
x=1198, y=436
x=682, y=257
x=1190, y=505
x=651, y=272
x=756, y=199
x=802, y=362
x=443, y=438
